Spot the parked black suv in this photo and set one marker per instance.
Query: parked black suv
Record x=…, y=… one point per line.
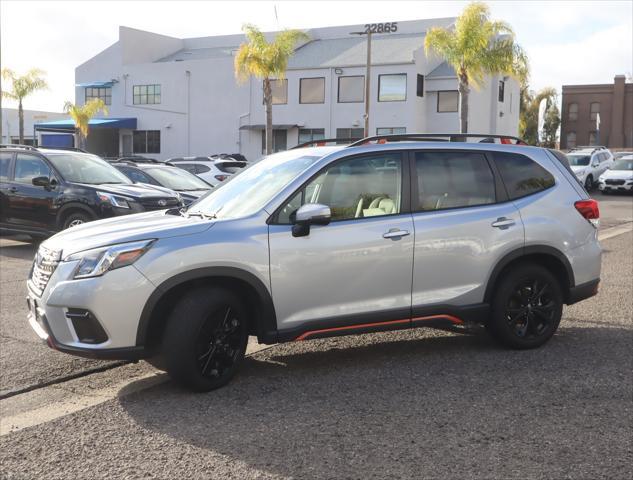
x=45, y=190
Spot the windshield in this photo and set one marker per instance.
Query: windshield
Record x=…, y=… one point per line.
x=578, y=160
x=623, y=164
x=177, y=179
x=86, y=168
x=248, y=191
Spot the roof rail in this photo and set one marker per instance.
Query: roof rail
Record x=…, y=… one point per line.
x=135, y=159
x=440, y=137
x=324, y=141
x=17, y=145
x=70, y=149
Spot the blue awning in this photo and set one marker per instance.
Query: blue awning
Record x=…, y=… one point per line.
x=68, y=124
x=109, y=83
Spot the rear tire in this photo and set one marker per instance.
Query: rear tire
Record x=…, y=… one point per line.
x=205, y=339
x=76, y=219
x=526, y=308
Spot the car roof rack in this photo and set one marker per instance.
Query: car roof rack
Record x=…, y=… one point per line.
x=324, y=141
x=135, y=159
x=441, y=137
x=70, y=149
x=18, y=145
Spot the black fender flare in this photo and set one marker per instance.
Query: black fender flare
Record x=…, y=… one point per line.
x=524, y=252
x=266, y=328
x=73, y=206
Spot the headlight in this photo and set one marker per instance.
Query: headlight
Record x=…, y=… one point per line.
x=96, y=262
x=114, y=200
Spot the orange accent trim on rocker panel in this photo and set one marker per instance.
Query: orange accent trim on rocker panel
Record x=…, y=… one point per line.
x=305, y=335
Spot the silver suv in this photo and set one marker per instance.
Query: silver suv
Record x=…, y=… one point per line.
x=324, y=241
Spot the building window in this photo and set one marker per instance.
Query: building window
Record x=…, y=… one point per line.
x=572, y=112
x=146, y=94
x=420, y=86
x=571, y=140
x=146, y=141
x=447, y=101
x=593, y=138
x=279, y=88
x=502, y=90
x=392, y=87
x=391, y=131
x=595, y=110
x=347, y=134
x=351, y=89
x=312, y=90
x=311, y=134
x=280, y=140
x=102, y=93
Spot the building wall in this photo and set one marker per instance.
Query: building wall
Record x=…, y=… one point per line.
x=203, y=109
x=11, y=126
x=616, y=113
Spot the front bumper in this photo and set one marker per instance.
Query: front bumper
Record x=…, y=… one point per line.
x=116, y=299
x=627, y=187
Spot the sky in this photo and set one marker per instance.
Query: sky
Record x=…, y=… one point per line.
x=568, y=42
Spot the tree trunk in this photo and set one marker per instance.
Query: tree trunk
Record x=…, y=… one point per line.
x=21, y=121
x=463, y=99
x=268, y=100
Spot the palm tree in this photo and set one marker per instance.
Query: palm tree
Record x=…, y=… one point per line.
x=81, y=115
x=476, y=47
x=22, y=87
x=529, y=110
x=262, y=59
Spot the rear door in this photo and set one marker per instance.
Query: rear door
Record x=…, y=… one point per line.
x=29, y=206
x=463, y=226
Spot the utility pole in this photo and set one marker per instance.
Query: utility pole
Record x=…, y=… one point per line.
x=367, y=79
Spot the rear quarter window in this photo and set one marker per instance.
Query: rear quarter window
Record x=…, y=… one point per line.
x=521, y=175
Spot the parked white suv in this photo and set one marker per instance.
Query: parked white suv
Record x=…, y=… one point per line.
x=588, y=163
x=317, y=242
x=619, y=178
x=212, y=170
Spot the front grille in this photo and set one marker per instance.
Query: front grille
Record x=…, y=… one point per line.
x=159, y=203
x=614, y=182
x=45, y=263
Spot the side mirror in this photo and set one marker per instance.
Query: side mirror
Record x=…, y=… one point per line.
x=41, y=182
x=310, y=214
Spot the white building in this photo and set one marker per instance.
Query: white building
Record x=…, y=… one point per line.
x=11, y=124
x=172, y=97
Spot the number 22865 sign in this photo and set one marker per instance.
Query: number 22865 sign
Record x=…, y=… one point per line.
x=389, y=27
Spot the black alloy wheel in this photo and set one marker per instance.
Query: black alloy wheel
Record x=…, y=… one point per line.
x=526, y=308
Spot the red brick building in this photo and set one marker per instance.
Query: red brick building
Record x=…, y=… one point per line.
x=583, y=103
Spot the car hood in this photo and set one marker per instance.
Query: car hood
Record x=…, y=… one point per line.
x=134, y=190
x=123, y=229
x=617, y=174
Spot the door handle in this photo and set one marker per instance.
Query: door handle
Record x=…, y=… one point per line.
x=395, y=233
x=503, y=223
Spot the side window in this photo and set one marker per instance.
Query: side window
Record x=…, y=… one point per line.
x=5, y=161
x=521, y=175
x=360, y=187
x=190, y=167
x=27, y=167
x=453, y=180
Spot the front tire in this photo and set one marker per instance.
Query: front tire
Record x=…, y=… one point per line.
x=527, y=307
x=589, y=183
x=205, y=339
x=76, y=219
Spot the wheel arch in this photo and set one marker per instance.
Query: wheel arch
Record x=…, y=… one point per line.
x=549, y=257
x=263, y=321
x=70, y=208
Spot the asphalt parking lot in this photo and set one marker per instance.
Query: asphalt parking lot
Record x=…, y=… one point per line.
x=409, y=404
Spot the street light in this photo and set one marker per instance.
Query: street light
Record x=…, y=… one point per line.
x=367, y=78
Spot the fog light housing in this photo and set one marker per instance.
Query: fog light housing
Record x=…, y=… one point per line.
x=87, y=327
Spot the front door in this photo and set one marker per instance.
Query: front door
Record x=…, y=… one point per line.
x=356, y=270
x=462, y=228
x=29, y=206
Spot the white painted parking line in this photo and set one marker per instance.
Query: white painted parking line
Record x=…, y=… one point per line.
x=615, y=231
x=75, y=402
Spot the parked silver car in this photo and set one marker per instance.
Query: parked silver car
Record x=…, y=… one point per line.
x=316, y=242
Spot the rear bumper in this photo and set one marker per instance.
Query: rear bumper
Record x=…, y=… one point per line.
x=582, y=292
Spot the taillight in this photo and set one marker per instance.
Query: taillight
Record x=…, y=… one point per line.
x=589, y=209
x=221, y=178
